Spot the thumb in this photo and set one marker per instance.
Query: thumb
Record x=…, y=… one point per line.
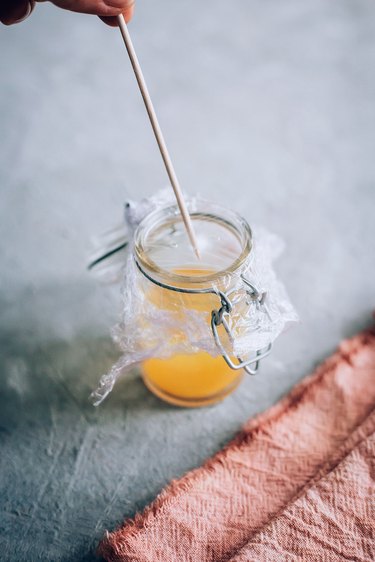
x=127, y=10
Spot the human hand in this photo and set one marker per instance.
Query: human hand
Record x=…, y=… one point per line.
x=15, y=11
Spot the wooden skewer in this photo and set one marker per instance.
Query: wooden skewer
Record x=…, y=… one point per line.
x=157, y=132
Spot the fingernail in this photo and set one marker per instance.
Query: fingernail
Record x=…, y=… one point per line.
x=128, y=14
x=26, y=15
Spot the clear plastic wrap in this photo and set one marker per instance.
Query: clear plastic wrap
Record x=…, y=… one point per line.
x=157, y=322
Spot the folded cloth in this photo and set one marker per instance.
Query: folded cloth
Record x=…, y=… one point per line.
x=296, y=484
x=333, y=519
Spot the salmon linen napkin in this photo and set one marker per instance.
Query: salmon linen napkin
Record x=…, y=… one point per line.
x=298, y=483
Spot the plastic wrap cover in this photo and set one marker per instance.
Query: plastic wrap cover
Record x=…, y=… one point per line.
x=157, y=322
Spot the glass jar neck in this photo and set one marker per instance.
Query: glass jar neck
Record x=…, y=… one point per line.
x=163, y=253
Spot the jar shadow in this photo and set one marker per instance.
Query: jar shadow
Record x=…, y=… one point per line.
x=65, y=457
x=35, y=374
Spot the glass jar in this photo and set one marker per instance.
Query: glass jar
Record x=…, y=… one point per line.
x=174, y=280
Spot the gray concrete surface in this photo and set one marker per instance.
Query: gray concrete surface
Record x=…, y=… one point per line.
x=267, y=106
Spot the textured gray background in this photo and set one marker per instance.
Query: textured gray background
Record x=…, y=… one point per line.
x=267, y=106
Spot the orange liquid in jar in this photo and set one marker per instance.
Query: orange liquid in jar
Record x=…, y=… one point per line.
x=194, y=379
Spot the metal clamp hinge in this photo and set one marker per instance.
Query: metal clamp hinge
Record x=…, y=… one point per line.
x=218, y=319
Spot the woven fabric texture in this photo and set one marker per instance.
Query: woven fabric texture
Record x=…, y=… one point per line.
x=296, y=484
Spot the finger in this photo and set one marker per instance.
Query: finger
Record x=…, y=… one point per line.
x=15, y=11
x=102, y=8
x=112, y=20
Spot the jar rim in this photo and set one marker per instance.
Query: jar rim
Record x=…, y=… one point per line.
x=228, y=218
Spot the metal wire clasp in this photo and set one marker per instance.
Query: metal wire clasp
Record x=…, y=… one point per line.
x=218, y=318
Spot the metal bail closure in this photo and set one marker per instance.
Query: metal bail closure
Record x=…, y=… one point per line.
x=218, y=318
